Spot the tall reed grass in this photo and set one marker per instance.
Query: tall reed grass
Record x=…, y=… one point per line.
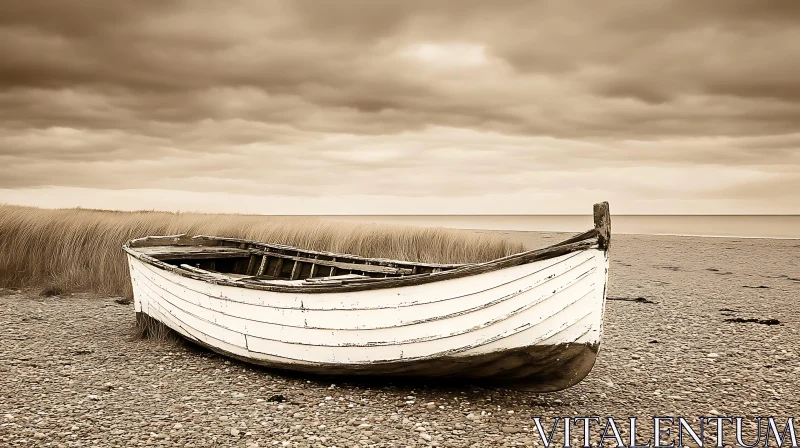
x=78, y=249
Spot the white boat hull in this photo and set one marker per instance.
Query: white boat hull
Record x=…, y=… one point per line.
x=537, y=324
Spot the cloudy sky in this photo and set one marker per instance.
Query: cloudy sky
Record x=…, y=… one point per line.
x=369, y=106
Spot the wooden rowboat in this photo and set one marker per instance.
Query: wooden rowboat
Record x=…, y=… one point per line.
x=531, y=320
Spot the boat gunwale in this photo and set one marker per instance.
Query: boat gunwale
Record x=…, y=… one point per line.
x=597, y=238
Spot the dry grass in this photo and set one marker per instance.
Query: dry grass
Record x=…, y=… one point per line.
x=148, y=328
x=77, y=249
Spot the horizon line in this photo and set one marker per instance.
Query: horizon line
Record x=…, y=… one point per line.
x=396, y=214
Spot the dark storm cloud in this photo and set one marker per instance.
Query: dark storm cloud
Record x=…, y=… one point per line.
x=302, y=97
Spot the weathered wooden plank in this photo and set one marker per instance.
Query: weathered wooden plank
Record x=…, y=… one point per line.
x=263, y=265
x=251, y=265
x=602, y=223
x=157, y=240
x=313, y=268
x=553, y=314
x=278, y=267
x=345, y=266
x=192, y=252
x=263, y=277
x=237, y=276
x=336, y=277
x=488, y=314
x=296, y=268
x=589, y=234
x=199, y=256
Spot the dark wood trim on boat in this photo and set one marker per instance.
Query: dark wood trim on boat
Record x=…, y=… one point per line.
x=251, y=265
x=278, y=268
x=192, y=253
x=602, y=224
x=420, y=273
x=579, y=237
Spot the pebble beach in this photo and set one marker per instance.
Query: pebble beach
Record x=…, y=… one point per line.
x=694, y=327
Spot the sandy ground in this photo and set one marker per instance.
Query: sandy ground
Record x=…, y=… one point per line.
x=70, y=375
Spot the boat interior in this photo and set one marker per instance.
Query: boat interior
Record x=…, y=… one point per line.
x=246, y=261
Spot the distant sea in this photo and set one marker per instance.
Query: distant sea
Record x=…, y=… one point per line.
x=740, y=226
